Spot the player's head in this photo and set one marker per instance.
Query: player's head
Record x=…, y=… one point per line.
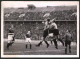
x=28, y=32
x=68, y=31
x=11, y=26
x=48, y=19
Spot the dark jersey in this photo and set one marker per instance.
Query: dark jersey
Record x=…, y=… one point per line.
x=68, y=36
x=28, y=35
x=11, y=31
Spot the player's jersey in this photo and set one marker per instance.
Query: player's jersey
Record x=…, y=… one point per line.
x=10, y=35
x=53, y=26
x=28, y=35
x=10, y=31
x=46, y=25
x=68, y=36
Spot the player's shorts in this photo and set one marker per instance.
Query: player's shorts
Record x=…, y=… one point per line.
x=10, y=38
x=54, y=31
x=67, y=42
x=28, y=40
x=45, y=33
x=50, y=34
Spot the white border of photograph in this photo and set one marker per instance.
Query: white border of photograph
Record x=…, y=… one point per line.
x=39, y=4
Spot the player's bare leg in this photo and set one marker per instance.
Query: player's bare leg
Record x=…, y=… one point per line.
x=39, y=43
x=47, y=43
x=26, y=46
x=8, y=44
x=55, y=43
x=61, y=41
x=65, y=50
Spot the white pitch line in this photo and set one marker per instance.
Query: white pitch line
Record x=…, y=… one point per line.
x=36, y=51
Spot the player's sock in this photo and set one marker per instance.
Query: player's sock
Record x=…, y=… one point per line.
x=47, y=43
x=30, y=46
x=8, y=44
x=51, y=41
x=55, y=42
x=39, y=44
x=69, y=49
x=66, y=50
x=26, y=45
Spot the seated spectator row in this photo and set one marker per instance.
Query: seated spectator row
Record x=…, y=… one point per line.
x=60, y=15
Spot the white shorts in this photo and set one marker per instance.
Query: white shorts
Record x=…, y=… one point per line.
x=10, y=38
x=50, y=35
x=28, y=40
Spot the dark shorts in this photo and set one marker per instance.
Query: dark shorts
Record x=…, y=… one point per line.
x=54, y=31
x=47, y=31
x=67, y=42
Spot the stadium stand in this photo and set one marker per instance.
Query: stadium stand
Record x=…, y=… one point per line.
x=24, y=20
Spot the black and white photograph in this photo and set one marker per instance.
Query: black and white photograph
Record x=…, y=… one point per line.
x=39, y=29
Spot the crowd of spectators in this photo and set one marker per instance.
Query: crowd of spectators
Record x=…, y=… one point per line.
x=60, y=15
x=36, y=28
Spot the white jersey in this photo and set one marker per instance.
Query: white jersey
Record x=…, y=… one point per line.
x=46, y=25
x=53, y=25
